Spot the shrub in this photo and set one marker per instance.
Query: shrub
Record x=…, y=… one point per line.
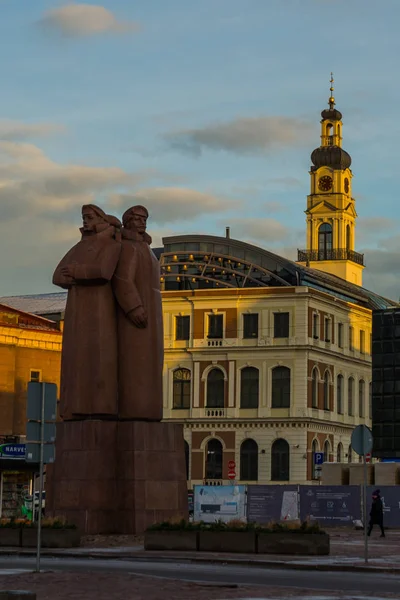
x=237, y=526
x=47, y=523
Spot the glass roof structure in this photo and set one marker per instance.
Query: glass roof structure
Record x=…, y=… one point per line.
x=203, y=262
x=190, y=262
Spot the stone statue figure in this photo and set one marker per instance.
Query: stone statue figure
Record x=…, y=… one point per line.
x=136, y=284
x=89, y=354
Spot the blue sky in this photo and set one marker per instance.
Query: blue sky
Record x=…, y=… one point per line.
x=205, y=112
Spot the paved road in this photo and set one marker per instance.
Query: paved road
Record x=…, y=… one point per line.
x=203, y=572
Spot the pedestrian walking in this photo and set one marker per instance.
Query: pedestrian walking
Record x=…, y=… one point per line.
x=376, y=514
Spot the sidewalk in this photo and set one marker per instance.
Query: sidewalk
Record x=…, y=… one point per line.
x=347, y=554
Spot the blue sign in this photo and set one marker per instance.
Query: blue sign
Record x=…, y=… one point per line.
x=318, y=458
x=12, y=451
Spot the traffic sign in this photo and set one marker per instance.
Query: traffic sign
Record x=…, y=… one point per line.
x=362, y=440
x=318, y=458
x=231, y=465
x=368, y=457
x=231, y=475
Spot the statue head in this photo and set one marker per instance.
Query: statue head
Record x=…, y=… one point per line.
x=92, y=216
x=135, y=219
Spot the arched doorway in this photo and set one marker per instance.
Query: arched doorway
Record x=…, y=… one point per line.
x=249, y=461
x=214, y=455
x=339, y=453
x=280, y=461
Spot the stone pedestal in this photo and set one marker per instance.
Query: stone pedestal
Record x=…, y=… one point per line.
x=117, y=477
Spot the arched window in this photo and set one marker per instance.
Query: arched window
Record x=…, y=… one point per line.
x=249, y=461
x=249, y=384
x=339, y=394
x=187, y=459
x=350, y=395
x=325, y=241
x=181, y=388
x=281, y=387
x=339, y=453
x=314, y=388
x=280, y=461
x=215, y=389
x=350, y=454
x=214, y=460
x=327, y=450
x=326, y=390
x=361, y=397
x=314, y=450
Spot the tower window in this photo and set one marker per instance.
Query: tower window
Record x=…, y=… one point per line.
x=328, y=328
x=35, y=376
x=325, y=241
x=348, y=237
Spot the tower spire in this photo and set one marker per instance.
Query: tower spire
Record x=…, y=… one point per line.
x=331, y=100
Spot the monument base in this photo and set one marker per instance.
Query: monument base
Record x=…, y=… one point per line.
x=117, y=477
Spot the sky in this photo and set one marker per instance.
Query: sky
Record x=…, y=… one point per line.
x=205, y=112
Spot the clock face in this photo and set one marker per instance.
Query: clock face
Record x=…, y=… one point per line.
x=325, y=183
x=346, y=185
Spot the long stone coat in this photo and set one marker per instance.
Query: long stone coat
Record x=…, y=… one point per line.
x=137, y=283
x=89, y=354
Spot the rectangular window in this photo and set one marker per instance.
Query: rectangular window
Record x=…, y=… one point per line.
x=215, y=327
x=327, y=332
x=250, y=326
x=351, y=338
x=340, y=335
x=315, y=326
x=281, y=325
x=35, y=376
x=182, y=328
x=362, y=341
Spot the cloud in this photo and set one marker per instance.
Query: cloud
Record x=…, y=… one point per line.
x=244, y=135
x=257, y=230
x=17, y=130
x=375, y=224
x=81, y=20
x=171, y=204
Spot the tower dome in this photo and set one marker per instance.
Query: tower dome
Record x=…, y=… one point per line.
x=330, y=156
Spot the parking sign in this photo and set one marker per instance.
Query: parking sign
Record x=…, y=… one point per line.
x=318, y=458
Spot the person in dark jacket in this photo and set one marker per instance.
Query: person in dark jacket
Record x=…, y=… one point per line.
x=376, y=514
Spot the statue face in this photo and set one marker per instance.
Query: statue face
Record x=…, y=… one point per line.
x=90, y=219
x=137, y=221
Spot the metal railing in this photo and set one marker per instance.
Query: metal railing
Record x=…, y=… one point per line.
x=333, y=254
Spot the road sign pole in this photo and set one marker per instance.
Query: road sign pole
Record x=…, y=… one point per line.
x=365, y=512
x=41, y=477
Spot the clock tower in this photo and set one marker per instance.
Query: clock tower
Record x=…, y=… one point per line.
x=331, y=212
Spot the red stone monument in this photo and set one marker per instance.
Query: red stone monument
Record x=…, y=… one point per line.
x=118, y=468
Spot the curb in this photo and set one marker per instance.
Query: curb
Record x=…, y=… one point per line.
x=270, y=564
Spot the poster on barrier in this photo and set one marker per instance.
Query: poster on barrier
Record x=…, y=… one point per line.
x=330, y=505
x=390, y=495
x=219, y=503
x=272, y=503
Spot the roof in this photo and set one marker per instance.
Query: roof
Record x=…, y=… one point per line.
x=38, y=304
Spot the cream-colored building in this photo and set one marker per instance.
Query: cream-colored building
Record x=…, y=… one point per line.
x=268, y=362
